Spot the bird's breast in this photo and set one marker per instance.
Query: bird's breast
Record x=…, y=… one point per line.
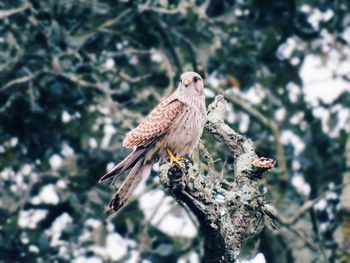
x=186, y=131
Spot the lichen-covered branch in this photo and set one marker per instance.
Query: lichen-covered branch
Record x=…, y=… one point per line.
x=227, y=213
x=268, y=123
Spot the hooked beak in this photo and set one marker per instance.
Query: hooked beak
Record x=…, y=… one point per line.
x=187, y=82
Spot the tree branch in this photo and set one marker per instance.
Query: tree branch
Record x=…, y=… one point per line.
x=228, y=221
x=268, y=123
x=7, y=13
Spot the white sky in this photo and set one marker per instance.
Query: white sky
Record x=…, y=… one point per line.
x=319, y=82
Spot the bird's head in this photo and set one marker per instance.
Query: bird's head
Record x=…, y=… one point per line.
x=191, y=84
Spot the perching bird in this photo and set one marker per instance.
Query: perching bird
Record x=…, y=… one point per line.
x=172, y=129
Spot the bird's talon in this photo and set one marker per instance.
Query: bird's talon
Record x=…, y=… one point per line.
x=175, y=159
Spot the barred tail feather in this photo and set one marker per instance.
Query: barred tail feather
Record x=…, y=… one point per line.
x=132, y=180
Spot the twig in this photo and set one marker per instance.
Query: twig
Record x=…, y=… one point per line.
x=21, y=80
x=116, y=20
x=271, y=211
x=213, y=174
x=7, y=13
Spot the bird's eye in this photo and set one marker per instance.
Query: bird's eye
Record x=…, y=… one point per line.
x=195, y=79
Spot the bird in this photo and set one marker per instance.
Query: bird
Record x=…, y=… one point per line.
x=171, y=130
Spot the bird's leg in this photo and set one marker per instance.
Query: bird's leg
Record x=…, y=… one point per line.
x=174, y=159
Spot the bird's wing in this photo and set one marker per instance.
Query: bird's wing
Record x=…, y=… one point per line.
x=155, y=124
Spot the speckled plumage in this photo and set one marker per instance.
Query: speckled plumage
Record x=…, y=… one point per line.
x=155, y=124
x=176, y=123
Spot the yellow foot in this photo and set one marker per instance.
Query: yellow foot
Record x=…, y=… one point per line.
x=174, y=159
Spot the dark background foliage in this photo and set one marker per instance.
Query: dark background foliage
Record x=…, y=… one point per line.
x=75, y=76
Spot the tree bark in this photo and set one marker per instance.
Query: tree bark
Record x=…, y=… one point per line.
x=227, y=212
